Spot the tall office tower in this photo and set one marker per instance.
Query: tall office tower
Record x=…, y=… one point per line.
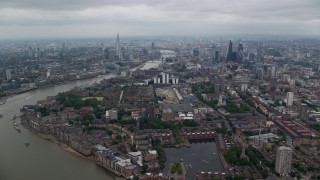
x=118, y=48
x=240, y=53
x=259, y=52
x=289, y=98
x=196, y=52
x=216, y=56
x=229, y=52
x=251, y=56
x=273, y=71
x=106, y=53
x=285, y=67
x=8, y=74
x=216, y=88
x=260, y=73
x=283, y=160
x=223, y=84
x=152, y=46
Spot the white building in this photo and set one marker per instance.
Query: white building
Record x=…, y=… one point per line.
x=8, y=74
x=48, y=73
x=244, y=87
x=163, y=75
x=283, y=160
x=112, y=114
x=289, y=98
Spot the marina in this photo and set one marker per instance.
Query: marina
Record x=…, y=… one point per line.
x=193, y=160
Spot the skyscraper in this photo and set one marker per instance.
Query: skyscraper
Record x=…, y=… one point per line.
x=251, y=56
x=222, y=84
x=240, y=53
x=229, y=52
x=289, y=98
x=118, y=48
x=152, y=46
x=283, y=160
x=8, y=74
x=216, y=56
x=233, y=56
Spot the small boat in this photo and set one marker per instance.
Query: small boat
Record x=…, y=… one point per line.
x=17, y=128
x=205, y=161
x=3, y=102
x=26, y=144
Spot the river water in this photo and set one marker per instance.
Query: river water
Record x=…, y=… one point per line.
x=43, y=159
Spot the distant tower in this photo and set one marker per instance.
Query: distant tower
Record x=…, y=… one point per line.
x=251, y=57
x=259, y=53
x=240, y=54
x=283, y=160
x=48, y=73
x=229, y=52
x=220, y=100
x=289, y=98
x=118, y=48
x=216, y=56
x=223, y=84
x=163, y=75
x=152, y=46
x=8, y=74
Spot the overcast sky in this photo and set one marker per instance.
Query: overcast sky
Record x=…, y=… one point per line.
x=104, y=18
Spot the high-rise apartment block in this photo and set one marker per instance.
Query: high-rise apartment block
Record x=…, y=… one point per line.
x=8, y=74
x=283, y=160
x=289, y=98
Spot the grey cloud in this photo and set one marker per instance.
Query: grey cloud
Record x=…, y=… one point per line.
x=72, y=4
x=160, y=16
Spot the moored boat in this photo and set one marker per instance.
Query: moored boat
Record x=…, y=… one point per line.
x=17, y=128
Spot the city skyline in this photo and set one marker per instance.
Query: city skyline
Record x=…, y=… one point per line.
x=73, y=19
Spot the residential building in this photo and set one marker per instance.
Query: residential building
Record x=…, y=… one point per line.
x=283, y=160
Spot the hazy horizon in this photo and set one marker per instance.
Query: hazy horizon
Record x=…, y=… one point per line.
x=36, y=19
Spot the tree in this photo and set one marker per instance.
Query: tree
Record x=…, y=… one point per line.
x=144, y=168
x=265, y=173
x=44, y=111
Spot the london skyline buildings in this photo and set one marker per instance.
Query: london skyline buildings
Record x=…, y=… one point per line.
x=118, y=47
x=47, y=19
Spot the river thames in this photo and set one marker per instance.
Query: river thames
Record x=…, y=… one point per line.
x=43, y=159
